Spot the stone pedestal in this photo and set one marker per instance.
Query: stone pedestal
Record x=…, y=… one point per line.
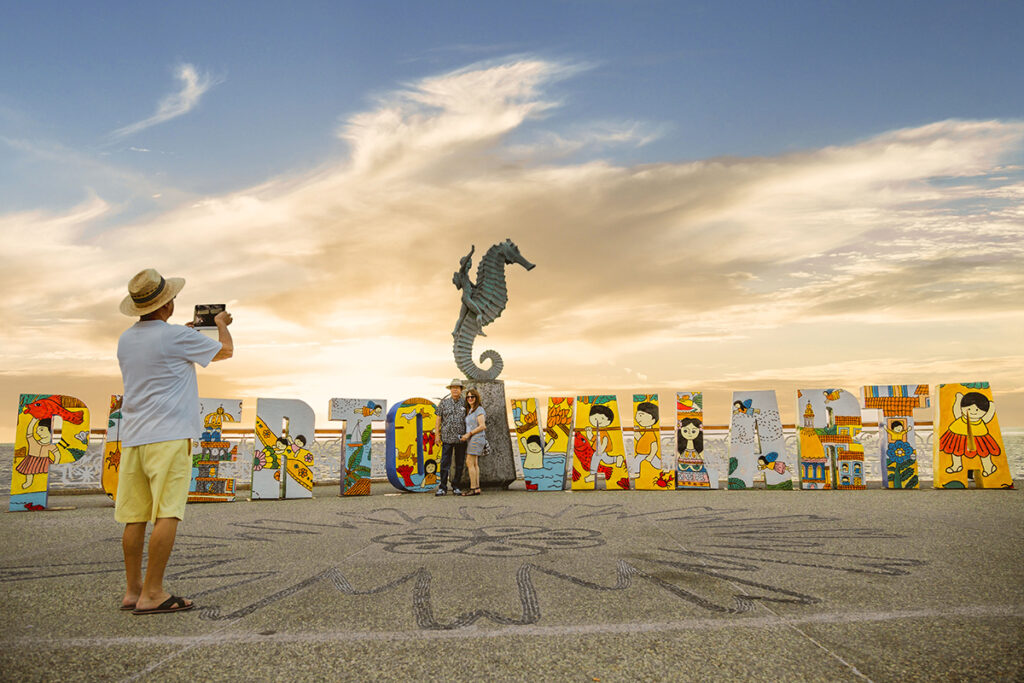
x=498, y=468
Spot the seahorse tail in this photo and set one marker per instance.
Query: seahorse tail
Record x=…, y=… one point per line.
x=463, y=348
x=496, y=365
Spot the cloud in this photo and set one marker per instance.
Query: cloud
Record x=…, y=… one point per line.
x=594, y=137
x=193, y=86
x=452, y=117
x=902, y=245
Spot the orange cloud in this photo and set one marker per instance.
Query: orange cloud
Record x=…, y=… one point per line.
x=340, y=276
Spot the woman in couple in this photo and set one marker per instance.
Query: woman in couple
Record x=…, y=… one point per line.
x=475, y=439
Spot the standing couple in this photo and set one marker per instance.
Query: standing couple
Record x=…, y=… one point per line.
x=461, y=424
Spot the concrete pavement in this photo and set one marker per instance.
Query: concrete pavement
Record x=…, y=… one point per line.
x=914, y=585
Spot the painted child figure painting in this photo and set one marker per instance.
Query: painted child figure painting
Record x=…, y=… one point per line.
x=968, y=436
x=42, y=452
x=603, y=462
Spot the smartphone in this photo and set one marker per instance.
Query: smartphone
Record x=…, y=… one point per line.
x=205, y=313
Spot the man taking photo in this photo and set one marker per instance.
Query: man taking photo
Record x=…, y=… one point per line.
x=160, y=417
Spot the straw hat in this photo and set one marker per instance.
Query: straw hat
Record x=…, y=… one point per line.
x=456, y=383
x=148, y=291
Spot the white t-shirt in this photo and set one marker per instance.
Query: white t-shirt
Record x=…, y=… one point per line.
x=161, y=395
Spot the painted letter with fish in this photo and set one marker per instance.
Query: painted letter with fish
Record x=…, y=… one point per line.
x=411, y=461
x=598, y=448
x=40, y=417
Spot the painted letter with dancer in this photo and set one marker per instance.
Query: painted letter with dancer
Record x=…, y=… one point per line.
x=693, y=471
x=970, y=440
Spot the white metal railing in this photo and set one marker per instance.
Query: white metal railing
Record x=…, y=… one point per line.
x=84, y=475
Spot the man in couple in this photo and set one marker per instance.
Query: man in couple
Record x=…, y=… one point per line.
x=451, y=427
x=461, y=424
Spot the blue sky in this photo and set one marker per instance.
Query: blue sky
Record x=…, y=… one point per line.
x=716, y=78
x=718, y=195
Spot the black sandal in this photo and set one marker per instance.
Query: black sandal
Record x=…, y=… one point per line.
x=472, y=492
x=171, y=604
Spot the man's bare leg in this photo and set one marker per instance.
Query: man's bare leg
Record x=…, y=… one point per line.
x=161, y=542
x=132, y=542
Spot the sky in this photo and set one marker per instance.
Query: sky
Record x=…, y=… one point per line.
x=717, y=196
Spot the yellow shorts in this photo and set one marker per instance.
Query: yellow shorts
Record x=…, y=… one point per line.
x=152, y=481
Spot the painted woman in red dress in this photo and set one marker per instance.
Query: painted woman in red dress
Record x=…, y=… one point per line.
x=968, y=436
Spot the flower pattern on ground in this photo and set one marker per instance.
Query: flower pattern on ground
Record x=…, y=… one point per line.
x=490, y=541
x=718, y=561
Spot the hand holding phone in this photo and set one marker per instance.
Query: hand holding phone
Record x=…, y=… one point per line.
x=206, y=313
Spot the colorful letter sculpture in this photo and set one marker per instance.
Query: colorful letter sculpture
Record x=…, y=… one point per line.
x=411, y=461
x=543, y=454
x=282, y=466
x=651, y=471
x=692, y=472
x=212, y=449
x=597, y=445
x=896, y=429
x=829, y=455
x=35, y=450
x=966, y=418
x=358, y=414
x=112, y=448
x=757, y=442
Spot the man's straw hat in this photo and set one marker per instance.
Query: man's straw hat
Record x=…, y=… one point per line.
x=148, y=291
x=456, y=383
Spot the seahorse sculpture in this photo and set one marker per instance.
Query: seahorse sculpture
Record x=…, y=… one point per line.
x=482, y=304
